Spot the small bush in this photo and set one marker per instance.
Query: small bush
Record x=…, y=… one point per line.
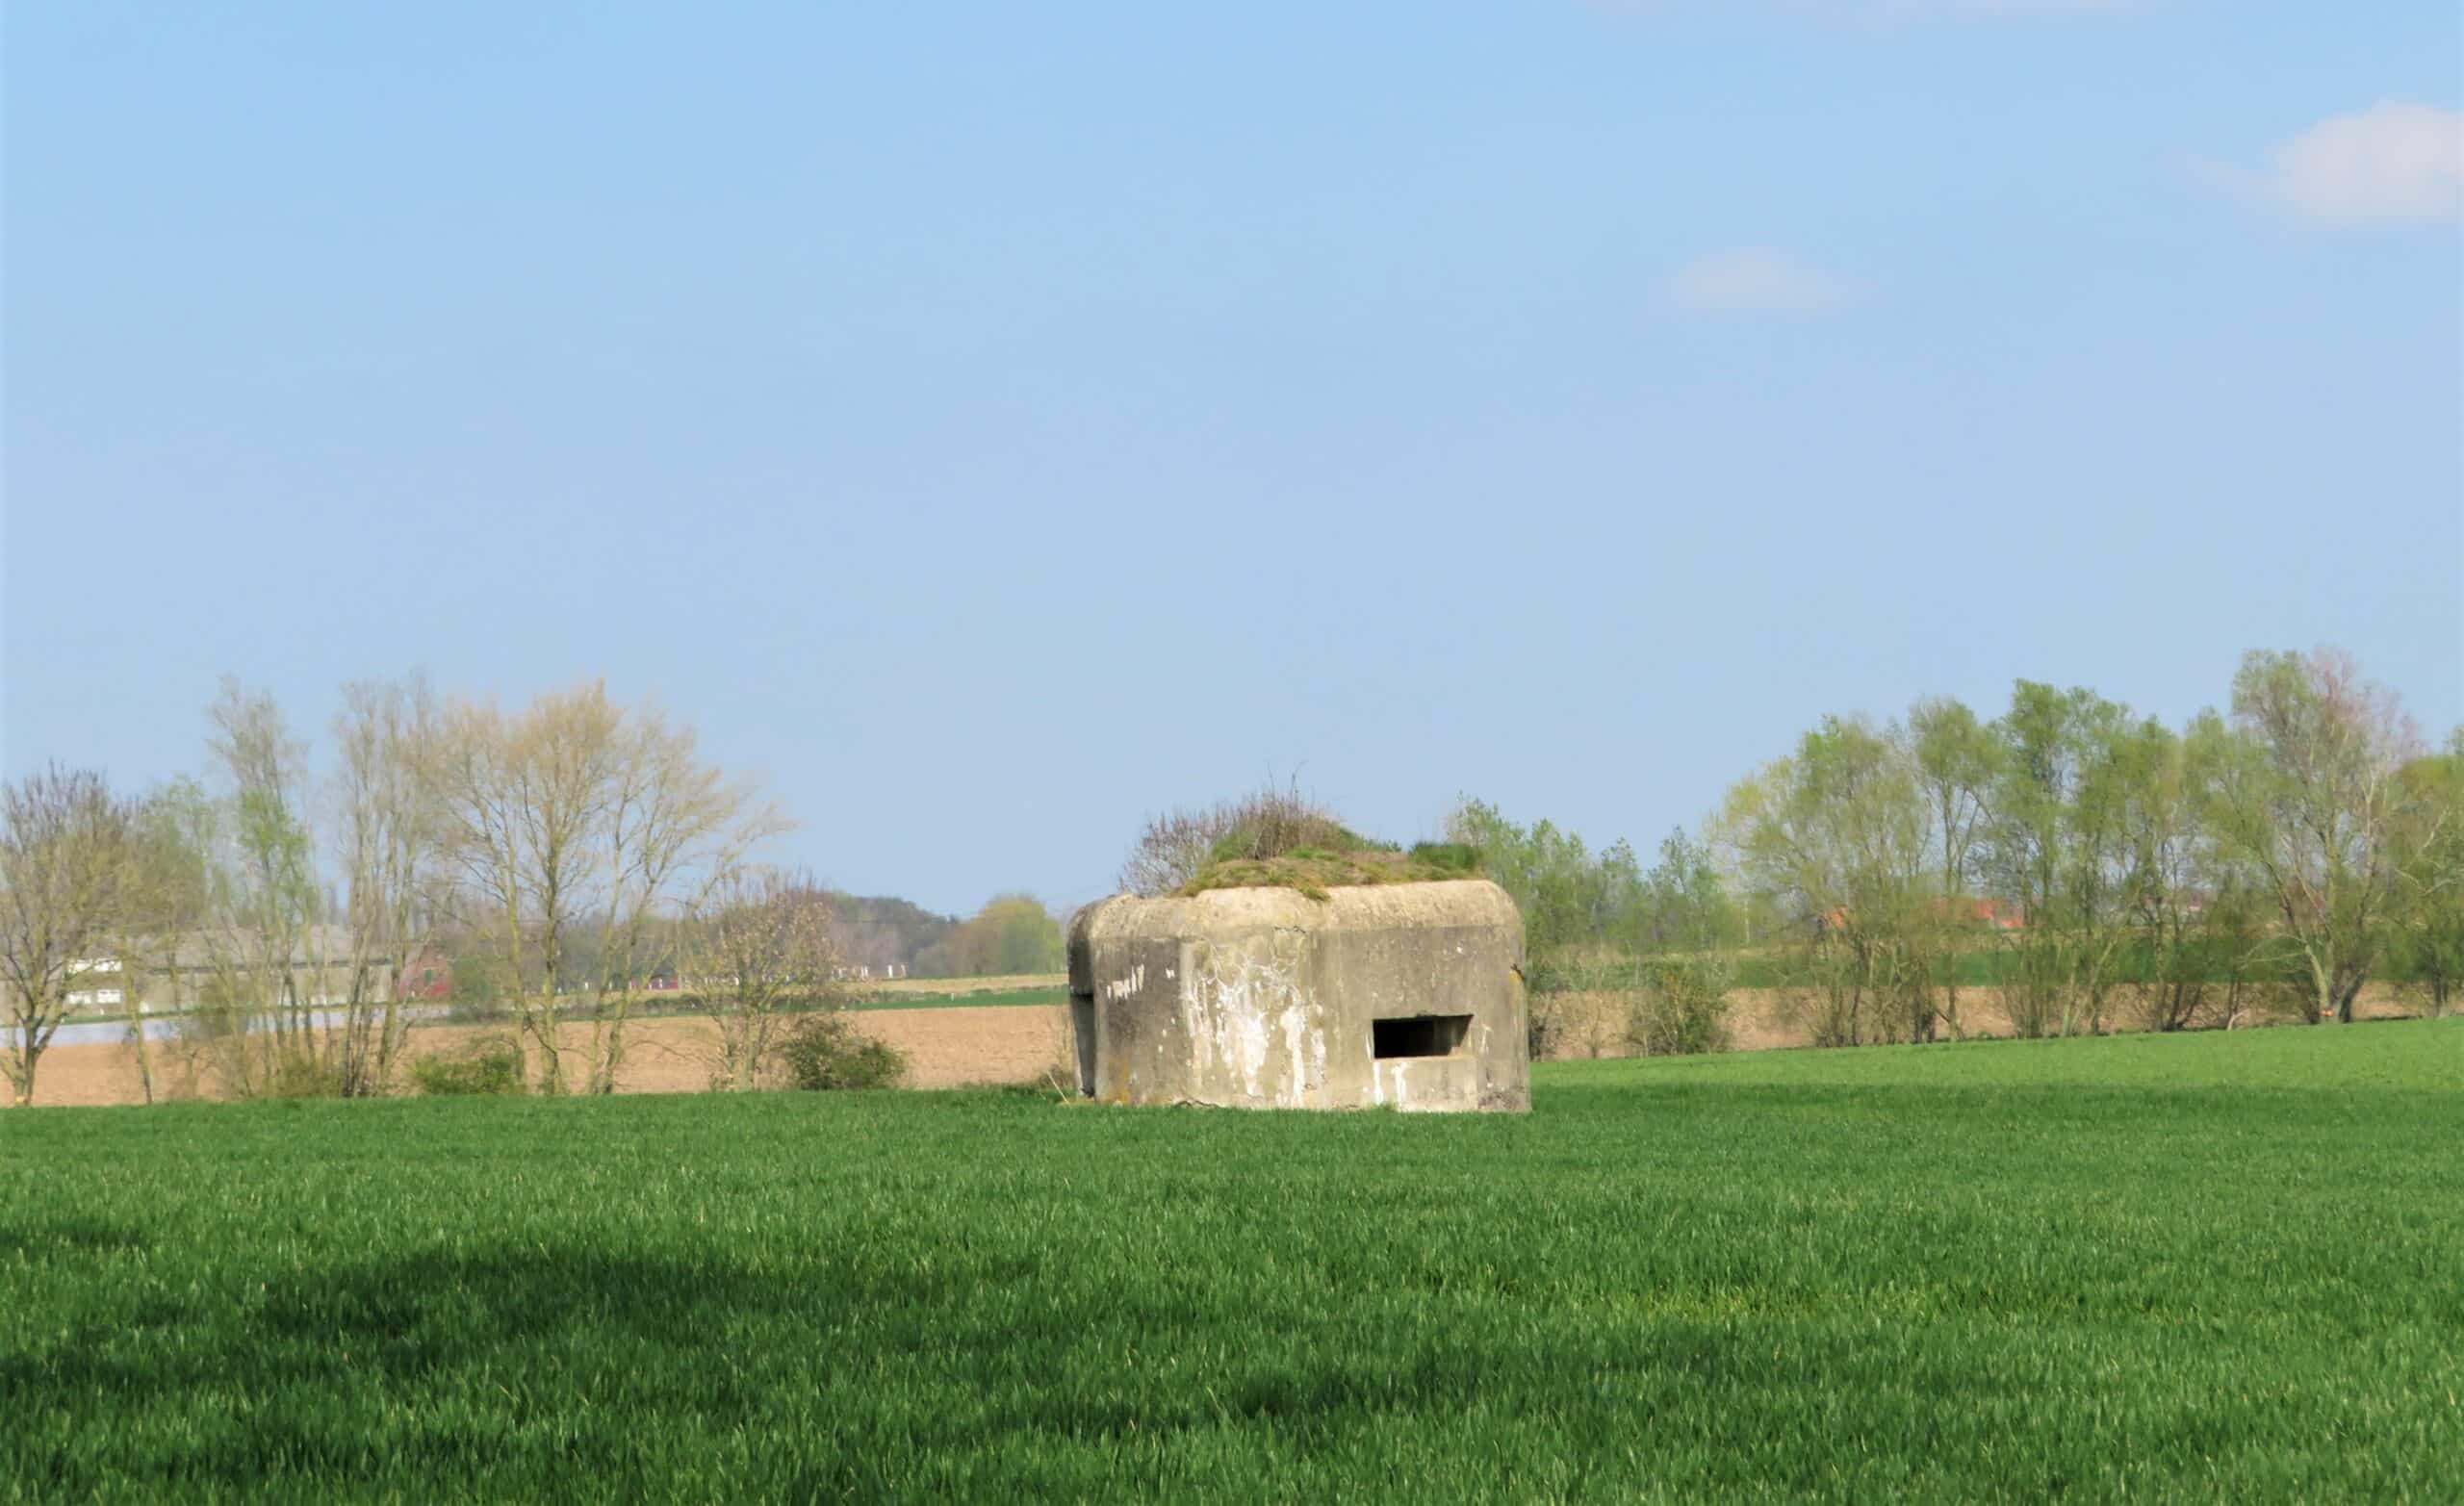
x=1588, y=1022
x=1460, y=859
x=485, y=1067
x=824, y=1052
x=1683, y=1010
x=300, y=1075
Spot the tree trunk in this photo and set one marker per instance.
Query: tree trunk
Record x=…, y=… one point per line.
x=541, y=1024
x=145, y=1052
x=2345, y=1000
x=612, y=1057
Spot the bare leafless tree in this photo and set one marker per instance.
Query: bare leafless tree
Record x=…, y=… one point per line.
x=757, y=951
x=674, y=825
x=523, y=794
x=388, y=833
x=1172, y=850
x=1177, y=845
x=578, y=809
x=67, y=844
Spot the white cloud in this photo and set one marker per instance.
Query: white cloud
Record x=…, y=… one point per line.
x=2390, y=163
x=1758, y=280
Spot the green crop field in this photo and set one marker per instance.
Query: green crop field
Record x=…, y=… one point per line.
x=2215, y=1267
x=993, y=998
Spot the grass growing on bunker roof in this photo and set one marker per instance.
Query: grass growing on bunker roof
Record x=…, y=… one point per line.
x=1315, y=869
x=2209, y=1267
x=1276, y=837
x=1312, y=853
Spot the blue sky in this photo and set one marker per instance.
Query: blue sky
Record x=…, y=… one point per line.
x=999, y=422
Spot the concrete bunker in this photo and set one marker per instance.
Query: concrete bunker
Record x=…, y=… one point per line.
x=1403, y=994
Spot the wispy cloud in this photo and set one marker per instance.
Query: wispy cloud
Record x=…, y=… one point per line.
x=2392, y=163
x=1757, y=279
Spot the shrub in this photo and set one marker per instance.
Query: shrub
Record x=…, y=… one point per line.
x=1587, y=1022
x=1682, y=1010
x=824, y=1052
x=488, y=1066
x=297, y=1074
x=1457, y=860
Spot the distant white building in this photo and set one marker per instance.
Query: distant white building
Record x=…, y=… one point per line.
x=319, y=974
x=100, y=993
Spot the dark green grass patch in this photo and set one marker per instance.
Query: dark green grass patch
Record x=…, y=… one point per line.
x=2216, y=1267
x=988, y=997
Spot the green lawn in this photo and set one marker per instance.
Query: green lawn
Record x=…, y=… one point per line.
x=2214, y=1268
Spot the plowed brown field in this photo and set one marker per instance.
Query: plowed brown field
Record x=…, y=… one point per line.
x=1767, y=1020
x=951, y=1046
x=947, y=1047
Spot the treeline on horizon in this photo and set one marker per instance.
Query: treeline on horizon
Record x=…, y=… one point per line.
x=560, y=862
x=2098, y=868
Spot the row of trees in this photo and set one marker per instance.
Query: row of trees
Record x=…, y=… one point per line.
x=278, y=909
x=2094, y=865
x=551, y=858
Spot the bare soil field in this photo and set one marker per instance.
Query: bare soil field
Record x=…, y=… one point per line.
x=948, y=1047
x=953, y=1046
x=1593, y=1025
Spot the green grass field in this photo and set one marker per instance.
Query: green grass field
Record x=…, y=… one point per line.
x=2214, y=1268
x=993, y=998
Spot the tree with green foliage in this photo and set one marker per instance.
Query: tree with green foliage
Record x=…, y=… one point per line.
x=1684, y=905
x=2170, y=884
x=2308, y=795
x=1837, y=834
x=1012, y=934
x=1956, y=758
x=1568, y=898
x=2428, y=912
x=267, y=941
x=2055, y=843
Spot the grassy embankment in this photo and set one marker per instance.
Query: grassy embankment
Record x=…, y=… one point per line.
x=2219, y=1266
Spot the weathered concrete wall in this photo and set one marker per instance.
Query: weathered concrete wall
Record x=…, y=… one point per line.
x=1263, y=998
